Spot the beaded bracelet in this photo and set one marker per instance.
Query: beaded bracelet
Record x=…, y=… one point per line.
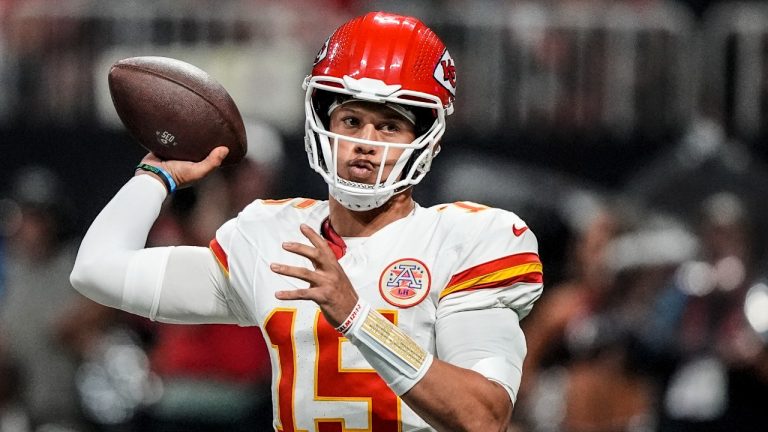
x=164, y=175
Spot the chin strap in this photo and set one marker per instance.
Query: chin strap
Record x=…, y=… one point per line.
x=357, y=202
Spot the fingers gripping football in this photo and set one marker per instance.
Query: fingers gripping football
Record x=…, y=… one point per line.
x=329, y=286
x=185, y=173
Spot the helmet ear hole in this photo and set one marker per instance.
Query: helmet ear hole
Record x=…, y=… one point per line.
x=321, y=102
x=425, y=118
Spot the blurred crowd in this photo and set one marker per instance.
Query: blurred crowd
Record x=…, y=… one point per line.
x=69, y=364
x=650, y=330
x=654, y=315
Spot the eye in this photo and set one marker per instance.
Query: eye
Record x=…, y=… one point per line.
x=350, y=121
x=390, y=127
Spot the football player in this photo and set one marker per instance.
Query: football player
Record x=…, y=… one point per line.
x=380, y=314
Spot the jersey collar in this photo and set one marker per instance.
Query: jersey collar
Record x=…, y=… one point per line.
x=337, y=244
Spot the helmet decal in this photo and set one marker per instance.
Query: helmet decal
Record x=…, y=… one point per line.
x=445, y=73
x=322, y=53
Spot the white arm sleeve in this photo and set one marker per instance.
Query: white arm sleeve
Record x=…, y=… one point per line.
x=171, y=284
x=487, y=341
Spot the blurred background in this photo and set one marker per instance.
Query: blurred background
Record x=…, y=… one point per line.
x=630, y=135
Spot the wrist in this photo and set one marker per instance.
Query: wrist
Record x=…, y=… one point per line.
x=347, y=323
x=160, y=174
x=149, y=174
x=395, y=356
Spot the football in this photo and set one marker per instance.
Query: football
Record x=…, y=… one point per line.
x=176, y=110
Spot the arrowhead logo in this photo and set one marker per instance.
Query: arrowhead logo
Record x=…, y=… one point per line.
x=445, y=72
x=518, y=231
x=322, y=53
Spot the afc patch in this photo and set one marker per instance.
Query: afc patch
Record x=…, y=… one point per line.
x=405, y=282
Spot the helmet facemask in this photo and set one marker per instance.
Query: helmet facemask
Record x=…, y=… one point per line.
x=383, y=58
x=322, y=144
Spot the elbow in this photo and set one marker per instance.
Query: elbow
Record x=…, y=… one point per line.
x=83, y=278
x=487, y=423
x=483, y=420
x=493, y=417
x=478, y=424
x=79, y=278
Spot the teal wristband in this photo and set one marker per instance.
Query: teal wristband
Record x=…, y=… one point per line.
x=164, y=175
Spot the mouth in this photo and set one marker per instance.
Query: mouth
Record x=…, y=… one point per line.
x=361, y=169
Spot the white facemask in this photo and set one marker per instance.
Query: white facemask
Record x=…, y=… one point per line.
x=322, y=145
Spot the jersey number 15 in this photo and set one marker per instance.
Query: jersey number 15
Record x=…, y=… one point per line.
x=333, y=383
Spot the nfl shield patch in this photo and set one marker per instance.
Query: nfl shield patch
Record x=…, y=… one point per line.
x=405, y=282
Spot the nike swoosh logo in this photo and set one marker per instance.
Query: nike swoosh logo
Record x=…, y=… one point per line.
x=518, y=231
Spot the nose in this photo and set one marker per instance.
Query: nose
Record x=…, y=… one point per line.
x=367, y=132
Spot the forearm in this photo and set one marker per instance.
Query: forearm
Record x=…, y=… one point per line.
x=453, y=398
x=170, y=284
x=108, y=248
x=472, y=389
x=474, y=385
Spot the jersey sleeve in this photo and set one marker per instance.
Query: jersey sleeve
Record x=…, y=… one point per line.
x=498, y=265
x=242, y=248
x=221, y=247
x=217, y=245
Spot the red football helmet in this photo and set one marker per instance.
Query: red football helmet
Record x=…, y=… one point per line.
x=389, y=59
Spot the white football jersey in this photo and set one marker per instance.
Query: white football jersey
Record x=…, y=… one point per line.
x=435, y=262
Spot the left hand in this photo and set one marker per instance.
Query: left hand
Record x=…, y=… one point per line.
x=329, y=286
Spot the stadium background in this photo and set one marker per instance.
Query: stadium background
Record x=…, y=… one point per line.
x=653, y=109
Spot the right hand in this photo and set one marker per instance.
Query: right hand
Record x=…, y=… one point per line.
x=185, y=173
x=329, y=285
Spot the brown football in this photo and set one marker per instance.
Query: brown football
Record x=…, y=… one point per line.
x=176, y=110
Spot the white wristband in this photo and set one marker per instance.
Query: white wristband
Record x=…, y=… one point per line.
x=351, y=318
x=398, y=359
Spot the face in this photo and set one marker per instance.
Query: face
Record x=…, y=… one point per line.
x=360, y=162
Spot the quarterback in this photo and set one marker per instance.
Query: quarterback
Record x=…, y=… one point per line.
x=380, y=315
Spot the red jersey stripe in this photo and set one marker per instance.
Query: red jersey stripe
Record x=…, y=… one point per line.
x=220, y=255
x=493, y=266
x=504, y=271
x=534, y=277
